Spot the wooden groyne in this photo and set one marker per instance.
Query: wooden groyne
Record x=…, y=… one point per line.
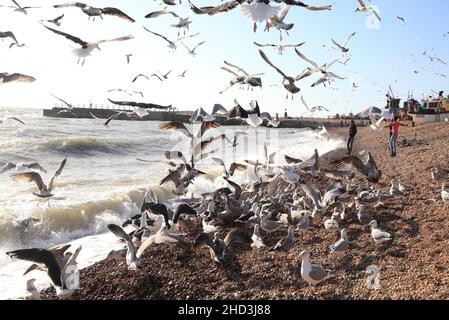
x=184, y=117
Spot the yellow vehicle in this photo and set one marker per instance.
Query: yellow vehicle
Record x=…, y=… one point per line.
x=440, y=104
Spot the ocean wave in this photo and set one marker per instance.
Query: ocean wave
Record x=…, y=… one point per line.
x=48, y=226
x=82, y=145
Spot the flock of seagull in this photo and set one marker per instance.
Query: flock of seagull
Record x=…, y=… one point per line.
x=347, y=200
x=256, y=10
x=236, y=207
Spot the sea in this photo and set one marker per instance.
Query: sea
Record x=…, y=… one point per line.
x=103, y=183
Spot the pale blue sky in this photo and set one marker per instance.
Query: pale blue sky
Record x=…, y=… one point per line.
x=379, y=57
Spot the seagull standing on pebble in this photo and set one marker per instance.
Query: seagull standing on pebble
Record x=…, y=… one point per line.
x=312, y=274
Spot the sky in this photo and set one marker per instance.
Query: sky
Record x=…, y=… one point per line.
x=382, y=54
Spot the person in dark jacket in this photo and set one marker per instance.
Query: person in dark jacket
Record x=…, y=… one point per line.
x=352, y=134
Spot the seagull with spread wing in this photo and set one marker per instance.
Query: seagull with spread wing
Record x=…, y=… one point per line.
x=343, y=46
x=192, y=51
x=15, y=77
x=56, y=21
x=96, y=12
x=281, y=48
x=8, y=34
x=277, y=22
x=288, y=82
x=86, y=47
x=171, y=44
x=69, y=108
x=217, y=246
x=242, y=77
x=313, y=109
x=368, y=169
x=367, y=9
x=44, y=190
x=18, y=8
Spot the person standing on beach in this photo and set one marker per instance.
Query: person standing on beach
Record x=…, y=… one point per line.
x=352, y=134
x=394, y=129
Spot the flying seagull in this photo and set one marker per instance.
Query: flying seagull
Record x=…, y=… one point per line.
x=140, y=104
x=367, y=9
x=277, y=22
x=96, y=12
x=8, y=34
x=217, y=246
x=15, y=77
x=56, y=21
x=48, y=260
x=343, y=47
x=18, y=8
x=280, y=47
x=86, y=47
x=288, y=82
x=12, y=118
x=171, y=44
x=368, y=169
x=192, y=51
x=44, y=190
x=109, y=119
x=69, y=108
x=159, y=13
x=401, y=18
x=242, y=77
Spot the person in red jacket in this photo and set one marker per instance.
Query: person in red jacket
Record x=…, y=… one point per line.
x=394, y=128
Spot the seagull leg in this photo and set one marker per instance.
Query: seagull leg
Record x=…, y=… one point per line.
x=255, y=27
x=267, y=26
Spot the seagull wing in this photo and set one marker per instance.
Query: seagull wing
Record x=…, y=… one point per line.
x=230, y=71
x=337, y=44
x=159, y=35
x=237, y=235
x=41, y=256
x=156, y=14
x=263, y=45
x=116, y=12
x=305, y=104
x=17, y=119
x=311, y=62
x=237, y=67
x=351, y=162
x=283, y=13
x=218, y=108
x=68, y=36
x=349, y=38
x=65, y=102
x=117, y=39
x=206, y=239
x=175, y=126
x=264, y=56
x=18, y=77
x=29, y=177
x=57, y=174
x=194, y=48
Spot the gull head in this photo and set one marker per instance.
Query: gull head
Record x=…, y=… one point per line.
x=373, y=224
x=304, y=254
